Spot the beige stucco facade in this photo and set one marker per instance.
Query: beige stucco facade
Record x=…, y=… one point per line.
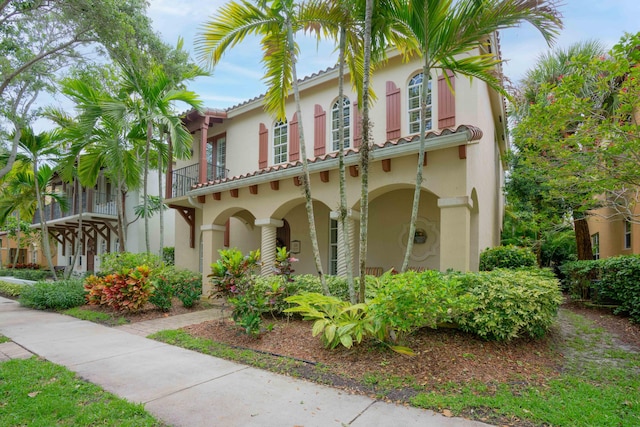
x=257, y=201
x=612, y=234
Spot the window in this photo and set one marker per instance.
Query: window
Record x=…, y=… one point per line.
x=595, y=245
x=217, y=157
x=335, y=123
x=333, y=247
x=414, y=99
x=627, y=235
x=280, y=142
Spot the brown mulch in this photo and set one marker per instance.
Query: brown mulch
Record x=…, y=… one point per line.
x=149, y=311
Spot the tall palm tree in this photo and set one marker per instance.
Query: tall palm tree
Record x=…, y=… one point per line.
x=41, y=148
x=451, y=36
x=277, y=22
x=154, y=95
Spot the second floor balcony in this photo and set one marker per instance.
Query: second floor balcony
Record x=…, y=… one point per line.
x=182, y=180
x=92, y=202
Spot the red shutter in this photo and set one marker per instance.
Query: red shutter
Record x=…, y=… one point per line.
x=294, y=139
x=263, y=147
x=393, y=111
x=357, y=126
x=319, y=131
x=227, y=233
x=446, y=102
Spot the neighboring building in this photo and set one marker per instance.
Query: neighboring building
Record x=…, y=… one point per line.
x=612, y=234
x=29, y=252
x=99, y=224
x=242, y=186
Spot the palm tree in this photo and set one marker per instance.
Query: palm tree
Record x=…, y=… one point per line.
x=276, y=22
x=154, y=96
x=451, y=37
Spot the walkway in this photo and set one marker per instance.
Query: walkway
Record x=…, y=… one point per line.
x=185, y=388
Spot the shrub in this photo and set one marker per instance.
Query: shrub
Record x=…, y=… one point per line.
x=579, y=277
x=128, y=290
x=509, y=256
x=116, y=262
x=187, y=286
x=412, y=300
x=34, y=275
x=620, y=282
x=169, y=255
x=162, y=294
x=59, y=295
x=231, y=274
x=338, y=286
x=509, y=304
x=11, y=289
x=6, y=272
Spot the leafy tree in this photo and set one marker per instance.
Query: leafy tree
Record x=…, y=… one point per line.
x=451, y=36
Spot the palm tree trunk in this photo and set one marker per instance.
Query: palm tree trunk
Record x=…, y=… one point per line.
x=160, y=201
x=122, y=220
x=145, y=189
x=306, y=180
x=346, y=248
x=46, y=247
x=364, y=149
x=418, y=187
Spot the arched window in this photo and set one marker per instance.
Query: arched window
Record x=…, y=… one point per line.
x=280, y=142
x=414, y=97
x=335, y=123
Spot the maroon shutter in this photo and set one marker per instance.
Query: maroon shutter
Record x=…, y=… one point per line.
x=227, y=233
x=446, y=101
x=393, y=111
x=319, y=131
x=294, y=139
x=357, y=126
x=263, y=147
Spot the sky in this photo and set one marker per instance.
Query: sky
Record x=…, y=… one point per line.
x=238, y=76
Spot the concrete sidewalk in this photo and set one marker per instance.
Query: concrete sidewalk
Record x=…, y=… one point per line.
x=185, y=388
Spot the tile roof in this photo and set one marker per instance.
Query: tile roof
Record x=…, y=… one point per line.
x=475, y=134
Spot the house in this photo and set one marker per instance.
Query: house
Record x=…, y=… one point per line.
x=613, y=234
x=242, y=186
x=99, y=223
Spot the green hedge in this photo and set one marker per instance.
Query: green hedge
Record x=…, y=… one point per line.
x=579, y=277
x=11, y=289
x=119, y=262
x=510, y=303
x=6, y=272
x=59, y=295
x=34, y=275
x=508, y=256
x=620, y=282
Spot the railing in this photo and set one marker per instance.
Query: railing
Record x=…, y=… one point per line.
x=185, y=178
x=101, y=203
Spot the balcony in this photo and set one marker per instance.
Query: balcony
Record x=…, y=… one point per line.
x=183, y=179
x=94, y=202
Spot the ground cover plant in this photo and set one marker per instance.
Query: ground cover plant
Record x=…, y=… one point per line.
x=38, y=393
x=11, y=290
x=59, y=295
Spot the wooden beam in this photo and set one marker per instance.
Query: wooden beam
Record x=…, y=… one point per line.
x=253, y=189
x=217, y=196
x=297, y=181
x=189, y=215
x=424, y=161
x=234, y=193
x=386, y=165
x=201, y=199
x=462, y=152
x=353, y=171
x=275, y=185
x=324, y=176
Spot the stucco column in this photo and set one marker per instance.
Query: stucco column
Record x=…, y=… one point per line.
x=212, y=241
x=455, y=233
x=268, y=243
x=352, y=217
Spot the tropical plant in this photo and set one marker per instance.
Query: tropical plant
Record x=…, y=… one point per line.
x=59, y=295
x=452, y=36
x=127, y=290
x=506, y=257
x=231, y=274
x=277, y=21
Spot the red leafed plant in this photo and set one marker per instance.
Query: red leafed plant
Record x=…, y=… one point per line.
x=128, y=290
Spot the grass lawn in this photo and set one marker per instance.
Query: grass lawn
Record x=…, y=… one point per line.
x=37, y=393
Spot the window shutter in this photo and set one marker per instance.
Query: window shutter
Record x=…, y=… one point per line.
x=446, y=102
x=294, y=139
x=393, y=111
x=263, y=148
x=227, y=233
x=357, y=126
x=319, y=131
